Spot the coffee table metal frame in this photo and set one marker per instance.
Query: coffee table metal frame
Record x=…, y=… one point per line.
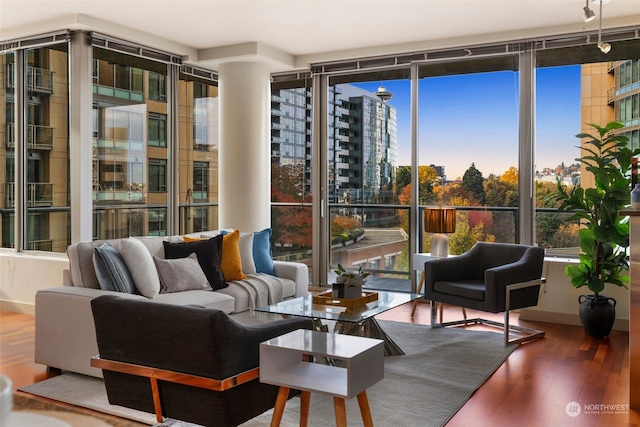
x=358, y=321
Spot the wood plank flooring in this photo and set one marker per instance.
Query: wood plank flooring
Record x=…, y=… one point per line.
x=532, y=388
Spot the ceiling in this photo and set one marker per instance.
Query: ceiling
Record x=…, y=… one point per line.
x=291, y=34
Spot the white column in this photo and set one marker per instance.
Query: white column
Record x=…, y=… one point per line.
x=244, y=180
x=81, y=138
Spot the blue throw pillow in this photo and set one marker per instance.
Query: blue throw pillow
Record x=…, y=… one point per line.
x=111, y=270
x=262, y=255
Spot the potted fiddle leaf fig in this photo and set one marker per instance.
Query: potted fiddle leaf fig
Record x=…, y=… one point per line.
x=604, y=233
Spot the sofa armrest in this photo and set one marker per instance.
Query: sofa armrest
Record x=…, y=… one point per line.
x=66, y=278
x=65, y=334
x=296, y=271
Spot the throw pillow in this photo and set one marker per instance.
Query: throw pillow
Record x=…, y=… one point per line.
x=141, y=266
x=111, y=270
x=231, y=263
x=246, y=253
x=181, y=274
x=209, y=254
x=262, y=255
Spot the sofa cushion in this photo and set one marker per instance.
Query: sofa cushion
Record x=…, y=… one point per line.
x=209, y=254
x=181, y=274
x=141, y=266
x=262, y=255
x=208, y=299
x=246, y=253
x=111, y=270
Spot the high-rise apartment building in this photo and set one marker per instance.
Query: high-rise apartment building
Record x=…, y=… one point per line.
x=364, y=146
x=362, y=141
x=611, y=91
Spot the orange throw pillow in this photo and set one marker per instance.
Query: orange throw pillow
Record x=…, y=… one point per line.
x=231, y=263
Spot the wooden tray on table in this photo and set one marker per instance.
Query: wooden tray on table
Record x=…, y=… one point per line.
x=326, y=298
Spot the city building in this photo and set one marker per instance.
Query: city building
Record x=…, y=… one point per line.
x=611, y=91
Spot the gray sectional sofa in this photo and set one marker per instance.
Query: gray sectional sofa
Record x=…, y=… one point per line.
x=65, y=332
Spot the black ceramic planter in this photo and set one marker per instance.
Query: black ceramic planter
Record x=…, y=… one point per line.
x=597, y=314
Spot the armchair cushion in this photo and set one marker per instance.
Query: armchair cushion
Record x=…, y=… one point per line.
x=473, y=289
x=478, y=279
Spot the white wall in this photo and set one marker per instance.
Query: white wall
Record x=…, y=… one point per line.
x=22, y=275
x=559, y=300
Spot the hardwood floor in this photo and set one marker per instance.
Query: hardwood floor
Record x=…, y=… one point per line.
x=532, y=388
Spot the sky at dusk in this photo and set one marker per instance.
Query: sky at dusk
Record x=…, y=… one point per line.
x=473, y=118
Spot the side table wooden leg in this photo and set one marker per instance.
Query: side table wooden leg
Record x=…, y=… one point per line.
x=283, y=393
x=363, y=402
x=305, y=397
x=341, y=412
x=420, y=284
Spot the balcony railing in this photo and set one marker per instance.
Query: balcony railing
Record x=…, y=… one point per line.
x=39, y=80
x=38, y=137
x=39, y=194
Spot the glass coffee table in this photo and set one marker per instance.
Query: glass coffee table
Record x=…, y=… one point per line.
x=353, y=321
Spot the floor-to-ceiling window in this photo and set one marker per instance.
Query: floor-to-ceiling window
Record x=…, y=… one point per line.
x=123, y=145
x=7, y=149
x=577, y=86
x=369, y=146
x=43, y=147
x=468, y=127
x=198, y=152
x=291, y=162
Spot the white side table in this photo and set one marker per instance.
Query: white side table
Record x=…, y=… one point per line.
x=287, y=361
x=418, y=264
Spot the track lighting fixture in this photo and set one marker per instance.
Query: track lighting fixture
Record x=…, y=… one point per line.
x=603, y=46
x=588, y=14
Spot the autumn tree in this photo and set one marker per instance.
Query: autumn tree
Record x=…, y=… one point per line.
x=510, y=176
x=427, y=177
x=291, y=226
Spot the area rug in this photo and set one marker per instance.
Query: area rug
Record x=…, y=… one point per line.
x=23, y=404
x=426, y=387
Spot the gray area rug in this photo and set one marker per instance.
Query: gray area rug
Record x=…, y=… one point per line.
x=426, y=387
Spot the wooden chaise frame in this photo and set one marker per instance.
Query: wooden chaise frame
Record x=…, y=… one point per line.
x=155, y=375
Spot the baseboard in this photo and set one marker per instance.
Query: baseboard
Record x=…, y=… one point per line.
x=564, y=318
x=18, y=307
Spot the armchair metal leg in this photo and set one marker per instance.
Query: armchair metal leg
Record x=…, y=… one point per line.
x=526, y=334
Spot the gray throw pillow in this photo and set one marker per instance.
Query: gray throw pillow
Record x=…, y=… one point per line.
x=181, y=274
x=111, y=270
